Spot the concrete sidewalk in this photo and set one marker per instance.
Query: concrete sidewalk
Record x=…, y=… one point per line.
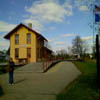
x=39, y=86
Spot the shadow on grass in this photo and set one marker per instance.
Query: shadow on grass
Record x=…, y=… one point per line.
x=1, y=91
x=83, y=88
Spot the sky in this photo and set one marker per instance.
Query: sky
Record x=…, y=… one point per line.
x=60, y=21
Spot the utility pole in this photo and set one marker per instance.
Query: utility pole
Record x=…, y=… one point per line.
x=98, y=54
x=97, y=20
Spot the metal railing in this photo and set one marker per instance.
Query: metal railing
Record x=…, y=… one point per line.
x=48, y=62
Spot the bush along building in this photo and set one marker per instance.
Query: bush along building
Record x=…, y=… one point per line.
x=27, y=45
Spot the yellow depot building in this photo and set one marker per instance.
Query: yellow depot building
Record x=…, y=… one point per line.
x=27, y=45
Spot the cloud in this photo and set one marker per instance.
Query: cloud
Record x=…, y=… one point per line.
x=61, y=36
x=35, y=23
x=83, y=5
x=4, y=44
x=53, y=39
x=87, y=38
x=47, y=11
x=52, y=28
x=68, y=35
x=6, y=27
x=83, y=8
x=58, y=48
x=60, y=43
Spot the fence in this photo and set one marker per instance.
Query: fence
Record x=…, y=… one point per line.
x=48, y=62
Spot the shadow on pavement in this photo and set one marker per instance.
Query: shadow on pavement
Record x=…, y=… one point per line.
x=19, y=81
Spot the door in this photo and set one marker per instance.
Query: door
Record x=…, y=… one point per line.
x=28, y=54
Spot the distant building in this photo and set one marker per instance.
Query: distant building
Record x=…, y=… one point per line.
x=27, y=45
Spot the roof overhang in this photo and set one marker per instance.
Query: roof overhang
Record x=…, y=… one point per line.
x=7, y=36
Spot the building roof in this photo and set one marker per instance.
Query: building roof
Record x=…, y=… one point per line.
x=49, y=50
x=7, y=36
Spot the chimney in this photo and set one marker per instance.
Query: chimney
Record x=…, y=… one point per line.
x=30, y=25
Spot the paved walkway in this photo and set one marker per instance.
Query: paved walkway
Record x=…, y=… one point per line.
x=39, y=86
x=31, y=67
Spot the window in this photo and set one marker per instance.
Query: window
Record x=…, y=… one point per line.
x=16, y=38
x=29, y=52
x=28, y=38
x=16, y=53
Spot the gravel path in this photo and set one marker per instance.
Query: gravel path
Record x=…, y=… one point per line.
x=39, y=86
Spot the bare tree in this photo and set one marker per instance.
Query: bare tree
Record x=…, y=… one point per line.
x=69, y=50
x=79, y=46
x=85, y=47
x=62, y=53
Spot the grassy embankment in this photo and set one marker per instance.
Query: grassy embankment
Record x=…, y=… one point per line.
x=85, y=87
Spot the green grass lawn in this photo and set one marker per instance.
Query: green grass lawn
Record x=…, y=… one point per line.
x=85, y=87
